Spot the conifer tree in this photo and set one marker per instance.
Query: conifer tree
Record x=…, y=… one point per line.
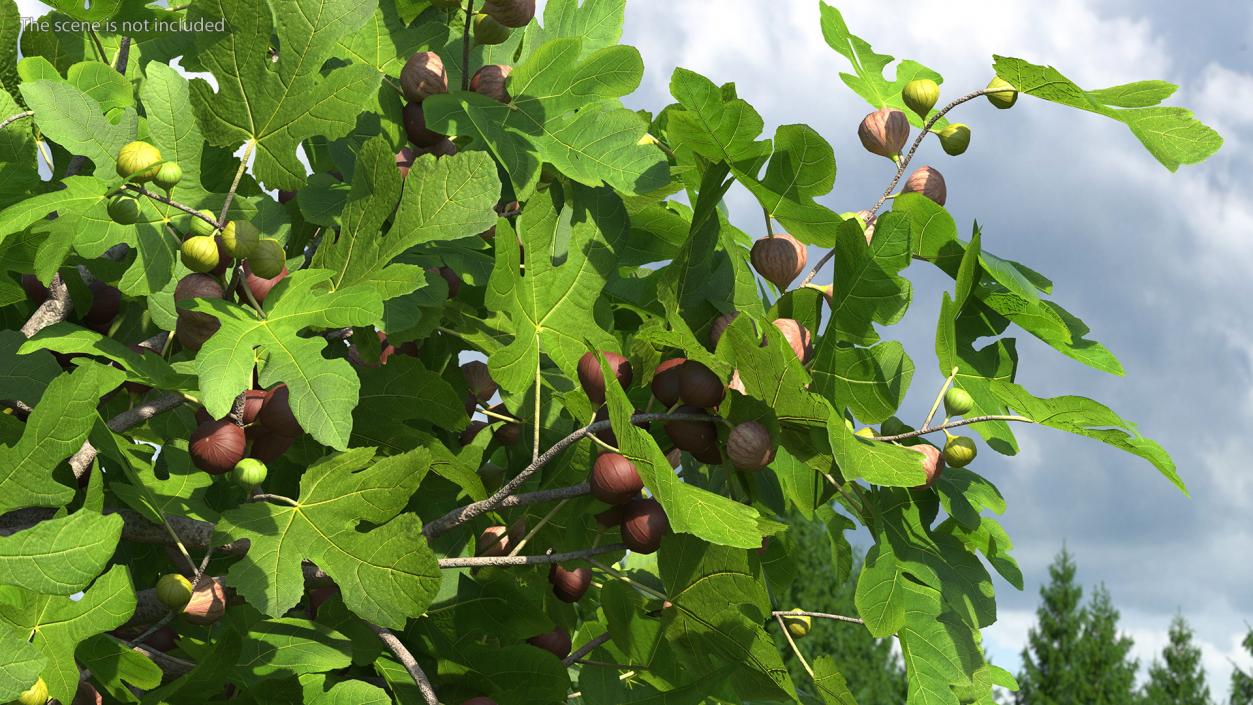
x=1242, y=682
x=1050, y=660
x=1106, y=670
x=1178, y=678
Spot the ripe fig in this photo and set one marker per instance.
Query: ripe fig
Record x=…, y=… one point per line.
x=780, y=259
x=479, y=700
x=593, y=379
x=442, y=148
x=797, y=625
x=106, y=302
x=699, y=386
x=168, y=176
x=929, y=183
x=404, y=161
x=261, y=286
x=267, y=260
x=199, y=254
x=86, y=694
x=37, y=694
x=451, y=279
x=955, y=138
x=124, y=209
x=173, y=590
x=276, y=413
x=643, y=526
x=422, y=76
x=959, y=451
x=249, y=472
x=933, y=465
x=692, y=435
x=195, y=328
x=720, y=325
x=163, y=639
x=268, y=446
x=493, y=541
x=797, y=336
x=215, y=446
x=570, y=585
x=208, y=602
x=884, y=132
x=254, y=399
x=612, y=516
x=709, y=456
x=510, y=13
x=36, y=292
x=507, y=434
x=467, y=436
x=200, y=228
x=490, y=81
x=958, y=402
x=240, y=238
x=557, y=642
x=921, y=95
x=191, y=336
x=1005, y=95
x=415, y=126
x=749, y=446
x=614, y=479
x=665, y=384
x=488, y=32
x=138, y=162
x=479, y=380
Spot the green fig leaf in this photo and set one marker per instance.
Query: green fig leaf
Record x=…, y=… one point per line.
x=59, y=556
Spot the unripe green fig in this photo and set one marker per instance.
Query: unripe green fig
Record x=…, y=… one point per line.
x=249, y=472
x=200, y=254
x=267, y=259
x=955, y=138
x=488, y=31
x=893, y=426
x=173, y=590
x=124, y=209
x=138, y=161
x=958, y=402
x=168, y=176
x=798, y=625
x=37, y=694
x=866, y=432
x=1005, y=97
x=240, y=238
x=200, y=228
x=959, y=451
x=921, y=95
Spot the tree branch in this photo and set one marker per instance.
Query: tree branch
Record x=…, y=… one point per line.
x=174, y=204
x=408, y=661
x=20, y=116
x=544, y=559
x=951, y=424
x=586, y=649
x=819, y=615
x=53, y=310
x=81, y=461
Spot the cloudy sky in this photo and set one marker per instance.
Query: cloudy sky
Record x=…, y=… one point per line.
x=1156, y=263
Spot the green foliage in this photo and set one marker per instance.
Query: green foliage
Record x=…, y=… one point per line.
x=1107, y=673
x=1050, y=662
x=549, y=226
x=1179, y=678
x=1241, y=681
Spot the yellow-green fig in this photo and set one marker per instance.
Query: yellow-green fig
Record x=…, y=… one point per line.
x=921, y=95
x=200, y=254
x=173, y=590
x=267, y=258
x=240, y=238
x=202, y=228
x=168, y=176
x=124, y=209
x=488, y=31
x=249, y=472
x=37, y=694
x=798, y=625
x=1004, y=96
x=138, y=161
x=958, y=402
x=955, y=138
x=959, y=451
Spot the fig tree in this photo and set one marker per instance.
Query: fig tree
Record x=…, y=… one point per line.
x=249, y=473
x=276, y=413
x=423, y=76
x=479, y=380
x=644, y=524
x=749, y=446
x=1004, y=95
x=490, y=81
x=488, y=32
x=415, y=126
x=240, y=238
x=168, y=176
x=267, y=260
x=557, y=642
x=959, y=451
x=570, y=585
x=124, y=209
x=207, y=603
x=779, y=259
x=510, y=13
x=692, y=436
x=139, y=162
x=199, y=254
x=216, y=446
x=797, y=336
x=884, y=132
x=173, y=590
x=929, y=183
x=958, y=402
x=921, y=95
x=37, y=694
x=709, y=456
x=665, y=384
x=593, y=379
x=699, y=386
x=933, y=463
x=614, y=479
x=798, y=625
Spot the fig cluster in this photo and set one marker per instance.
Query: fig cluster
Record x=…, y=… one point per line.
x=266, y=429
x=423, y=76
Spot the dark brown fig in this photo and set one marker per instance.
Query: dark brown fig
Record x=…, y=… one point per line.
x=570, y=585
x=106, y=302
x=797, y=336
x=490, y=81
x=614, y=479
x=191, y=336
x=415, y=126
x=674, y=456
x=557, y=642
x=510, y=13
x=699, y=386
x=276, y=413
x=692, y=436
x=508, y=434
x=319, y=596
x=479, y=380
x=162, y=640
x=285, y=197
x=450, y=277
x=216, y=446
x=493, y=541
x=197, y=286
x=36, y=292
x=442, y=148
x=665, y=384
x=467, y=436
x=749, y=446
x=593, y=379
x=268, y=446
x=720, y=325
x=933, y=464
x=260, y=286
x=606, y=436
x=643, y=526
x=779, y=259
x=612, y=516
x=709, y=456
x=423, y=75
x=479, y=700
x=254, y=399
x=404, y=161
x=208, y=602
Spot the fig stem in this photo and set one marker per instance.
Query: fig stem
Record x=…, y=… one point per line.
x=795, y=649
x=542, y=559
x=538, y=389
x=239, y=176
x=252, y=299
x=953, y=424
x=901, y=167
x=628, y=580
x=280, y=499
x=535, y=529
x=408, y=661
x=465, y=46
x=12, y=119
x=940, y=398
x=586, y=649
x=769, y=223
x=171, y=202
x=495, y=415
x=820, y=615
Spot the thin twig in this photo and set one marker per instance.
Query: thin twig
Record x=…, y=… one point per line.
x=171, y=202
x=819, y=615
x=536, y=529
x=939, y=398
x=465, y=46
x=408, y=661
x=628, y=580
x=544, y=559
x=541, y=496
x=252, y=299
x=951, y=424
x=587, y=648
x=20, y=116
x=796, y=650
x=239, y=176
x=123, y=56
